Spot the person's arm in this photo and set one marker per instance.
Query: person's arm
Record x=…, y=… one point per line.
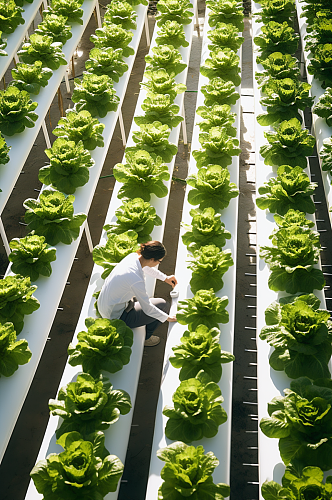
x=155, y=273
x=139, y=292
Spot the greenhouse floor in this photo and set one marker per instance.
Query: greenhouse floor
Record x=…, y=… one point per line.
x=25, y=442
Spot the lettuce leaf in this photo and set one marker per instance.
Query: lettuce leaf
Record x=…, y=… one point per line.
x=224, y=35
x=31, y=256
x=218, y=148
x=67, y=8
x=12, y=352
x=290, y=189
x=174, y=10
x=206, y=228
x=211, y=188
x=95, y=94
x=84, y=470
x=31, y=77
x=105, y=346
x=10, y=16
x=323, y=107
x=53, y=216
x=171, y=33
x=121, y=13
x=218, y=115
x=55, y=26
x=301, y=335
x=223, y=63
x=142, y=175
x=276, y=37
x=4, y=150
x=193, y=480
x=106, y=61
x=165, y=57
x=159, y=107
x=137, y=215
x=278, y=66
x=321, y=64
x=16, y=300
x=200, y=350
x=89, y=405
x=219, y=91
x=197, y=411
x=115, y=249
x=81, y=126
x=160, y=82
x=112, y=35
x=208, y=265
x=42, y=48
x=16, y=111
x=204, y=308
x=288, y=145
x=226, y=11
x=153, y=138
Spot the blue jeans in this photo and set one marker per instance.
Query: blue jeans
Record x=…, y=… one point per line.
x=136, y=317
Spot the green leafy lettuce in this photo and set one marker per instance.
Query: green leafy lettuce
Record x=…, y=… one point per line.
x=69, y=166
x=226, y=11
x=106, y=61
x=276, y=10
x=4, y=150
x=206, y=229
x=278, y=66
x=95, y=94
x=218, y=148
x=323, y=107
x=42, y=48
x=10, y=16
x=301, y=335
x=55, y=25
x=31, y=77
x=288, y=145
x=293, y=218
x=326, y=155
x=160, y=82
x=16, y=111
x=225, y=35
x=121, y=13
x=204, y=308
x=69, y=9
x=81, y=126
x=197, y=411
x=165, y=57
x=223, y=63
x=283, y=100
x=211, y=188
x=160, y=108
x=208, y=266
x=200, y=350
x=89, y=405
x=12, y=352
x=302, y=420
x=105, y=346
x=321, y=64
x=307, y=485
x=84, y=470
x=188, y=473
x=292, y=258
x=16, y=300
x=31, y=256
x=153, y=138
x=290, y=189
x=53, y=216
x=112, y=35
x=171, y=33
x=217, y=115
x=276, y=37
x=321, y=33
x=142, y=175
x=3, y=45
x=115, y=249
x=174, y=10
x=138, y=215
x=219, y=91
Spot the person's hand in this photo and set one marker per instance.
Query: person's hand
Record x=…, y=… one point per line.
x=171, y=280
x=171, y=319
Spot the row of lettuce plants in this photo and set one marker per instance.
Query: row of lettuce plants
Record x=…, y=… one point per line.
x=318, y=45
x=107, y=343
x=11, y=17
x=296, y=328
x=51, y=219
x=197, y=412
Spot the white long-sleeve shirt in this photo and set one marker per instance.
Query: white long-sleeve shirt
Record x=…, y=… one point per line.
x=125, y=282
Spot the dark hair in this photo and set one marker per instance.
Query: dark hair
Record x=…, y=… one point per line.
x=152, y=250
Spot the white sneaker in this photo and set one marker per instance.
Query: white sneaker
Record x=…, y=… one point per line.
x=153, y=340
